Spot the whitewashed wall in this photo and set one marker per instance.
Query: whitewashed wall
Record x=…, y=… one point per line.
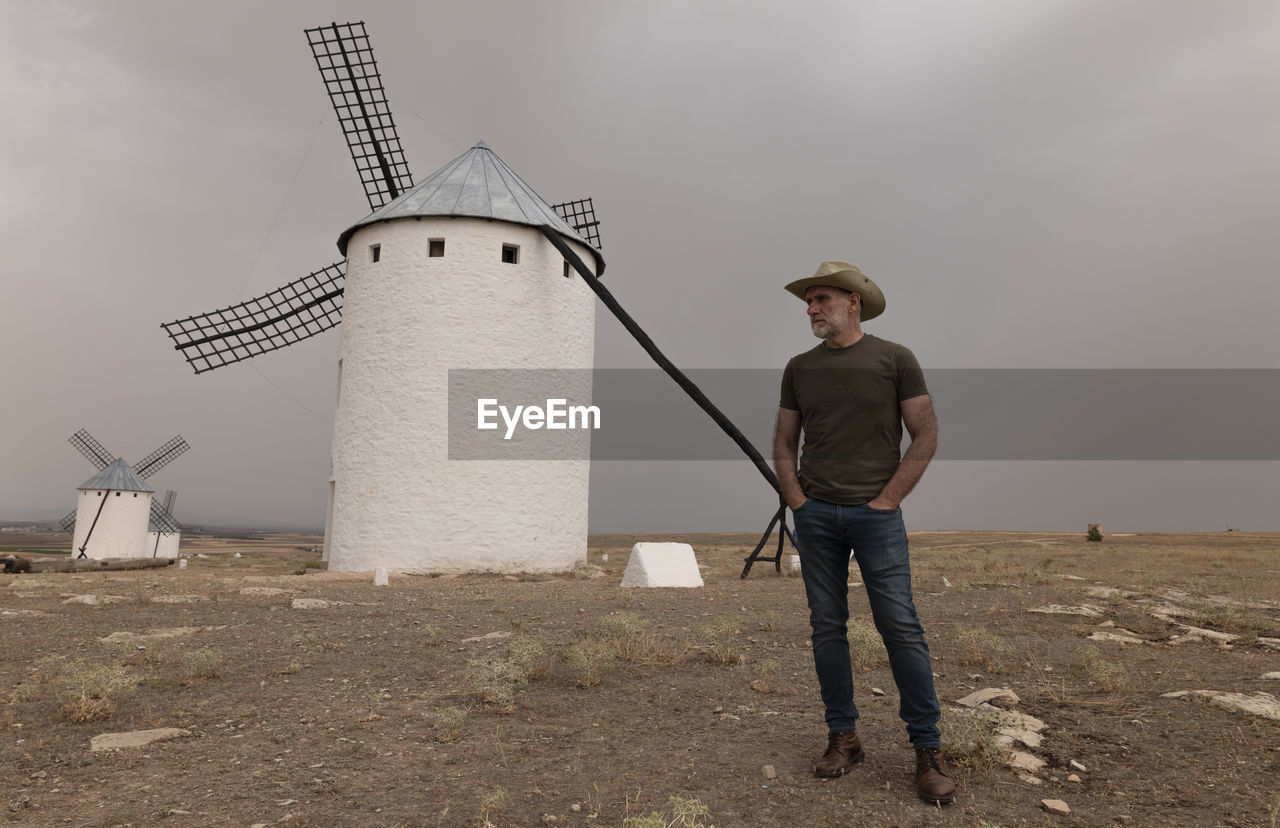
x=121, y=529
x=396, y=499
x=167, y=547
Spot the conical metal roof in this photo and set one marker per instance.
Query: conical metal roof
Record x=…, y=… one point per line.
x=117, y=477
x=477, y=184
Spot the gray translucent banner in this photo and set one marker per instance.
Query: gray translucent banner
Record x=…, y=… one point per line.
x=985, y=414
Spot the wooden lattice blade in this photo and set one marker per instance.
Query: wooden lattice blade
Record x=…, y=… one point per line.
x=351, y=78
x=299, y=310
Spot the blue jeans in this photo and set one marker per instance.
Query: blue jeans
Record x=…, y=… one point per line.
x=827, y=532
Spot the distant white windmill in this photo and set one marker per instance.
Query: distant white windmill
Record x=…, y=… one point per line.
x=455, y=272
x=96, y=537
x=112, y=514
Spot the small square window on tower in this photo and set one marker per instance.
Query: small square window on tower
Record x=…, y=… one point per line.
x=375, y=253
x=435, y=248
x=510, y=253
x=567, y=270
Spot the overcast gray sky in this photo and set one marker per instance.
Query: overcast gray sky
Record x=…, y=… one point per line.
x=1033, y=185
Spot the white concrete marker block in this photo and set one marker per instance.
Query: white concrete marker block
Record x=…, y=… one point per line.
x=794, y=562
x=662, y=565
x=380, y=576
x=182, y=563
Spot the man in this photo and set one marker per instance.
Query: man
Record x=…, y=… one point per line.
x=850, y=396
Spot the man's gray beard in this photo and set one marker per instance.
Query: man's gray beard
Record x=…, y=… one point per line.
x=823, y=330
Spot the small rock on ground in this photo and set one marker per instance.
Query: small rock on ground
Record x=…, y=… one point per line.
x=135, y=738
x=1259, y=704
x=1118, y=636
x=264, y=591
x=769, y=772
x=1012, y=718
x=493, y=636
x=315, y=603
x=94, y=600
x=1086, y=610
x=125, y=637
x=1025, y=762
x=1028, y=737
x=997, y=696
x=1108, y=592
x=178, y=599
x=1055, y=806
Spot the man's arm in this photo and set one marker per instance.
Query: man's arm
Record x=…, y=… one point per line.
x=917, y=415
x=786, y=441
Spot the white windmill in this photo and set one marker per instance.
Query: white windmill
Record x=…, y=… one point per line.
x=112, y=512
x=464, y=270
x=468, y=269
x=115, y=528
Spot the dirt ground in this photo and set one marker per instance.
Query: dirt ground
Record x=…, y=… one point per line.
x=603, y=704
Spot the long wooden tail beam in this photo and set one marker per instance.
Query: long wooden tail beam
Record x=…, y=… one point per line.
x=726, y=425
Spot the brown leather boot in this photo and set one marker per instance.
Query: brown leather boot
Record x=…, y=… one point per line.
x=933, y=778
x=843, y=752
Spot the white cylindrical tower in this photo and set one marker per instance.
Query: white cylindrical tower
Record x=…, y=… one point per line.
x=161, y=544
x=454, y=274
x=112, y=513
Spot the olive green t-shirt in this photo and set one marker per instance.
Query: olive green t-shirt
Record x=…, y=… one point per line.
x=848, y=399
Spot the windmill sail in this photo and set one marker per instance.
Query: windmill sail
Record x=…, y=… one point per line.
x=162, y=520
x=313, y=304
x=351, y=78
x=169, y=521
x=161, y=457
x=297, y=311
x=95, y=452
x=581, y=216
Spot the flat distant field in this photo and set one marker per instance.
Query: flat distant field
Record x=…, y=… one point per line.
x=566, y=700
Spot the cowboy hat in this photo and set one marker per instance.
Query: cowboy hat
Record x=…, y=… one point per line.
x=846, y=277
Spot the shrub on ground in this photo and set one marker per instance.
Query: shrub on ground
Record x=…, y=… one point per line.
x=866, y=648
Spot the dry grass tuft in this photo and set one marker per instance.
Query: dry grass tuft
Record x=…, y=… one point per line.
x=493, y=677
x=432, y=636
x=374, y=699
x=492, y=805
x=969, y=739
x=718, y=639
x=623, y=635
x=627, y=633
x=529, y=656
x=684, y=813
x=767, y=672
x=588, y=657
x=449, y=722
x=87, y=691
x=980, y=648
x=203, y=664
x=866, y=648
x=1109, y=676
